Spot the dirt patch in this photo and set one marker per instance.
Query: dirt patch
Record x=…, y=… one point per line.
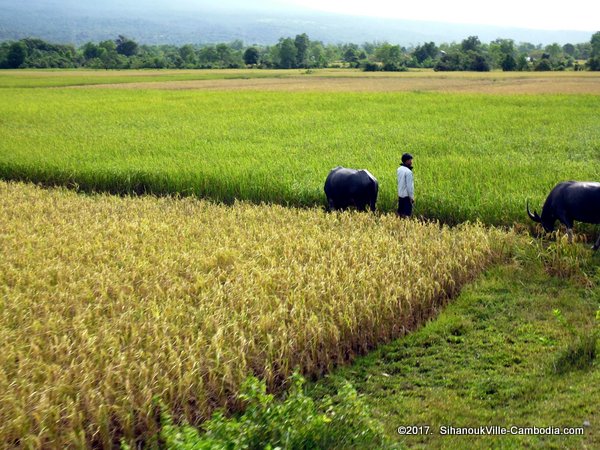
x=488, y=83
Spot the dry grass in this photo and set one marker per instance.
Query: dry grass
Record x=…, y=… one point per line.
x=106, y=303
x=354, y=81
x=319, y=80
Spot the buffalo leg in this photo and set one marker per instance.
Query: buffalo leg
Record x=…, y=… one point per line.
x=570, y=234
x=567, y=222
x=331, y=204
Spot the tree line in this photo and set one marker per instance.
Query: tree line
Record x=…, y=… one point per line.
x=301, y=52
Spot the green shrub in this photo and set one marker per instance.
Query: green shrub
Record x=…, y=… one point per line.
x=543, y=66
x=394, y=67
x=297, y=422
x=371, y=66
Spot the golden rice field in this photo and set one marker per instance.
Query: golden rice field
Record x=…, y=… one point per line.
x=109, y=302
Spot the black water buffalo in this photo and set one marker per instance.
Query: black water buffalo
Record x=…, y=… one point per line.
x=568, y=202
x=350, y=187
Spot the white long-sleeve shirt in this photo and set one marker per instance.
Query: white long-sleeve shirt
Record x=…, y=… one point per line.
x=406, y=184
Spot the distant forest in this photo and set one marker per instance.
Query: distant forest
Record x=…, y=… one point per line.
x=301, y=52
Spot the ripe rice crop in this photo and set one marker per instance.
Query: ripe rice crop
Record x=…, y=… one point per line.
x=109, y=302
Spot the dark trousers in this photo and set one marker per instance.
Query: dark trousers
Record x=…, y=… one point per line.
x=404, y=207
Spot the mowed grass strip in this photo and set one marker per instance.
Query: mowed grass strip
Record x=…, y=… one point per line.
x=476, y=156
x=496, y=357
x=107, y=303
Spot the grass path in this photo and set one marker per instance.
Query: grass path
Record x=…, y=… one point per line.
x=489, y=360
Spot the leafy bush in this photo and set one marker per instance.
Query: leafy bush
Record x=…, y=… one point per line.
x=509, y=63
x=449, y=62
x=543, y=65
x=371, y=66
x=298, y=422
x=594, y=63
x=476, y=61
x=394, y=67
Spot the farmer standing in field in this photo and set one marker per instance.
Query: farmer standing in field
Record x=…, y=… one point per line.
x=406, y=186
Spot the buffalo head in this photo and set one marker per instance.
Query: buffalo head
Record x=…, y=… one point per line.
x=546, y=223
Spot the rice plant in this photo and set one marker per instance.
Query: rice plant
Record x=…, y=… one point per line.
x=107, y=303
x=477, y=157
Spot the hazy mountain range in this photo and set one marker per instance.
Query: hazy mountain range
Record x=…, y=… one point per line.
x=258, y=22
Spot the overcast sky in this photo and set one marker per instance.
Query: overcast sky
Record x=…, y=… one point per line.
x=583, y=15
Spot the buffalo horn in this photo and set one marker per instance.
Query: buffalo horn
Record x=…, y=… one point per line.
x=535, y=217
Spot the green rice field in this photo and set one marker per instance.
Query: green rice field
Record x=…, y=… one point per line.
x=477, y=156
